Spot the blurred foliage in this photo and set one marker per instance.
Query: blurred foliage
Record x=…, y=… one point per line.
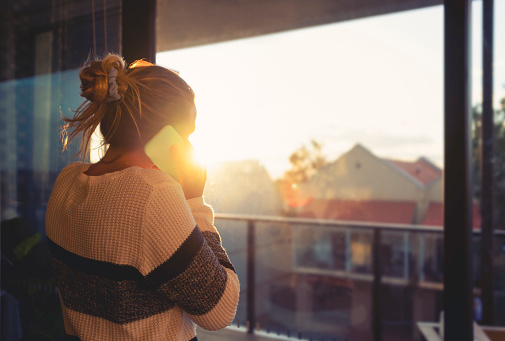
x=305, y=162
x=498, y=156
x=27, y=276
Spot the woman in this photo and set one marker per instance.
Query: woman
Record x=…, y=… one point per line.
x=135, y=252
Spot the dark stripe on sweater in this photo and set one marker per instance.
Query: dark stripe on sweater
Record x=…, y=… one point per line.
x=178, y=262
x=192, y=277
x=116, y=301
x=214, y=241
x=115, y=272
x=228, y=265
x=68, y=337
x=201, y=286
x=171, y=268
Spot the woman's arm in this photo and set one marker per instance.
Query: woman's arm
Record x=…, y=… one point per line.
x=185, y=262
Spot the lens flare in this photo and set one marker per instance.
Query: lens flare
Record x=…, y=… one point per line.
x=294, y=195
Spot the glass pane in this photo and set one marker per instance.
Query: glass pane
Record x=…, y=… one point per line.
x=45, y=44
x=498, y=220
x=322, y=128
x=336, y=131
x=234, y=237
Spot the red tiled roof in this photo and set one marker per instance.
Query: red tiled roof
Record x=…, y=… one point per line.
x=395, y=212
x=435, y=215
x=420, y=169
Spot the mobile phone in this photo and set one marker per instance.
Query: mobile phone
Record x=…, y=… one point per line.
x=158, y=150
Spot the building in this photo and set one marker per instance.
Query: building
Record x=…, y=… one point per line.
x=360, y=186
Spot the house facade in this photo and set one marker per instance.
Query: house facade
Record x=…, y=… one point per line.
x=360, y=186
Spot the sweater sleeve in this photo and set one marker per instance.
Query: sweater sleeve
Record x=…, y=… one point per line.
x=184, y=265
x=204, y=217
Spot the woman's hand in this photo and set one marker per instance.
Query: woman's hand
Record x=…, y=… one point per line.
x=192, y=175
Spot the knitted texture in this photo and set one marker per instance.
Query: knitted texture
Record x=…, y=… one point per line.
x=134, y=260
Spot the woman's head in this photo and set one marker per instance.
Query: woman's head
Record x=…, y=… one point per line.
x=130, y=104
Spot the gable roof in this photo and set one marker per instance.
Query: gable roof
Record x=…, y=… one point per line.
x=395, y=212
x=421, y=172
x=421, y=169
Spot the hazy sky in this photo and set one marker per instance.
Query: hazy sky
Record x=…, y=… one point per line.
x=375, y=81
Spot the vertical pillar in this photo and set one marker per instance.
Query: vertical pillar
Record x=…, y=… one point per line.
x=251, y=280
x=458, y=300
x=138, y=36
x=487, y=161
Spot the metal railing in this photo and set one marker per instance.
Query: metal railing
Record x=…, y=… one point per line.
x=377, y=276
x=377, y=230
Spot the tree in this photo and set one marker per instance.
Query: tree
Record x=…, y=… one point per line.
x=305, y=162
x=499, y=160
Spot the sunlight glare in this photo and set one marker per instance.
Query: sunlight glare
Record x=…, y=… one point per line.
x=96, y=148
x=261, y=97
x=200, y=158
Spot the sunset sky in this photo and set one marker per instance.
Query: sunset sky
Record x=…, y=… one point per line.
x=375, y=81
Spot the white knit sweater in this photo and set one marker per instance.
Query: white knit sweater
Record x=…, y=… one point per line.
x=134, y=260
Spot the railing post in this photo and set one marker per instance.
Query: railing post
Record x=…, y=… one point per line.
x=421, y=257
x=251, y=281
x=376, y=289
x=406, y=258
x=348, y=254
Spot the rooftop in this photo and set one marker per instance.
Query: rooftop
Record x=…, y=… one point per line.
x=421, y=169
x=395, y=212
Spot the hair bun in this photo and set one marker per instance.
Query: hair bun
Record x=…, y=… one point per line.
x=95, y=79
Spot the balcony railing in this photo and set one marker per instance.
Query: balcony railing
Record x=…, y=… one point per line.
x=374, y=253
x=264, y=249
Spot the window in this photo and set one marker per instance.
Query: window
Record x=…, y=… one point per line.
x=320, y=137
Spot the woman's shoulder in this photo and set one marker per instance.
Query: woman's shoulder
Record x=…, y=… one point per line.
x=151, y=177
x=71, y=170
x=131, y=177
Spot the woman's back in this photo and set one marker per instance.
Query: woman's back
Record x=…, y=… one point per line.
x=101, y=216
x=134, y=260
x=135, y=253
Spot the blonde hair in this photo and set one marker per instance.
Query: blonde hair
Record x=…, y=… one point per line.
x=150, y=97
